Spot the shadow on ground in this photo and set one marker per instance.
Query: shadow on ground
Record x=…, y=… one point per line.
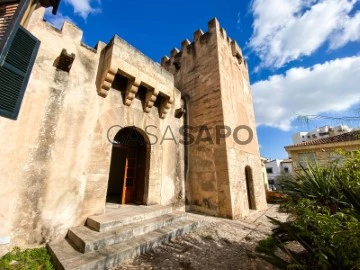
x=219, y=244
x=190, y=253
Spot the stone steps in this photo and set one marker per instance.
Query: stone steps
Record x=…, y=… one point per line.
x=119, y=239
x=86, y=240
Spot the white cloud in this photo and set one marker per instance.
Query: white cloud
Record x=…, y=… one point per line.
x=56, y=20
x=329, y=87
x=84, y=8
x=351, y=32
x=286, y=30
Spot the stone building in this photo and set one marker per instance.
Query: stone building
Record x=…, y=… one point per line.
x=107, y=124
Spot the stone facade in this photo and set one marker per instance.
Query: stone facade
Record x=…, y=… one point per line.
x=56, y=156
x=212, y=72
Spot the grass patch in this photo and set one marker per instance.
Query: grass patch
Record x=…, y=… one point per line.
x=29, y=259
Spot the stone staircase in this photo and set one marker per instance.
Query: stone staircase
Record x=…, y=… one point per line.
x=123, y=232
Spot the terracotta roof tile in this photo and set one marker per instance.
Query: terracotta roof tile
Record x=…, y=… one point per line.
x=345, y=137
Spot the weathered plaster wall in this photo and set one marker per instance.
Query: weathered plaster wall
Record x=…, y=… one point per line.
x=55, y=158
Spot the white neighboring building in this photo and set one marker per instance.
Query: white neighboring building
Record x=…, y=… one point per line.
x=263, y=172
x=286, y=165
x=274, y=168
x=319, y=133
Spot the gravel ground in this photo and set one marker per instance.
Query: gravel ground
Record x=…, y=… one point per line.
x=218, y=244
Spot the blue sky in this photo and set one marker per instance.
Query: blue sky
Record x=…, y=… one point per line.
x=303, y=55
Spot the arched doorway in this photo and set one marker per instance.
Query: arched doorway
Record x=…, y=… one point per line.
x=129, y=167
x=250, y=187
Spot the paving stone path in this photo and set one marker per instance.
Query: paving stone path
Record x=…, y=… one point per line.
x=218, y=244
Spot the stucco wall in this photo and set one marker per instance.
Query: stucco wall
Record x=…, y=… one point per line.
x=275, y=166
x=55, y=158
x=323, y=152
x=288, y=165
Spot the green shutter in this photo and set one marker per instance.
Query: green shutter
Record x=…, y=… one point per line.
x=15, y=71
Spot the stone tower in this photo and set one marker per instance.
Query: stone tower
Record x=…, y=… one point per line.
x=224, y=176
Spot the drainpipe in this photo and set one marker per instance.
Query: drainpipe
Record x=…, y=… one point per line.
x=186, y=100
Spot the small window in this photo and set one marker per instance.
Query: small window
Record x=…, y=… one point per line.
x=269, y=170
x=286, y=169
x=306, y=158
x=335, y=156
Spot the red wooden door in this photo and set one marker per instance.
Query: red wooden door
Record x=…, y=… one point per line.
x=129, y=185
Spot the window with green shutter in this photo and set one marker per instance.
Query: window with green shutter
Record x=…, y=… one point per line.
x=18, y=49
x=15, y=71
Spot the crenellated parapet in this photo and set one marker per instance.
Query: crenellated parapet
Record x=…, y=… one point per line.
x=69, y=32
x=201, y=38
x=119, y=58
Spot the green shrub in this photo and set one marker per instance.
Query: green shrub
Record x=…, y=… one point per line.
x=318, y=184
x=267, y=246
x=29, y=259
x=333, y=239
x=324, y=208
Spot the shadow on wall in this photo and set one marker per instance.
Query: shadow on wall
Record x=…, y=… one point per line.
x=250, y=188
